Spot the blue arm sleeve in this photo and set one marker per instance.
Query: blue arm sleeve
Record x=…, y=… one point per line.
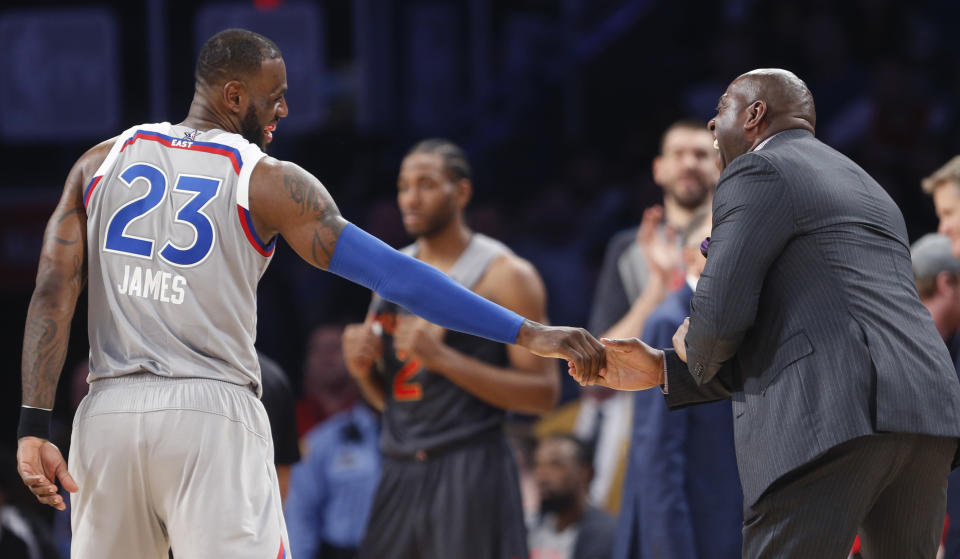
x=421, y=289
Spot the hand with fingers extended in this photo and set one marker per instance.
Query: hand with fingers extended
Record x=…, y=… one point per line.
x=362, y=348
x=631, y=365
x=40, y=465
x=416, y=338
x=660, y=250
x=577, y=346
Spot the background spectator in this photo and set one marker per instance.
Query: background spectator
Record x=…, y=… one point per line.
x=682, y=496
x=937, y=274
x=327, y=386
x=332, y=487
x=600, y=419
x=567, y=527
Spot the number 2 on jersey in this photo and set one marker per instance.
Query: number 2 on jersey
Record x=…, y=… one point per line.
x=404, y=390
x=191, y=214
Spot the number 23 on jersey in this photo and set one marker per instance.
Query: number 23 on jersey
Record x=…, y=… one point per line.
x=203, y=189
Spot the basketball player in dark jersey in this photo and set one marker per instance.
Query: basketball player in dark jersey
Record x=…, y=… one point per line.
x=449, y=486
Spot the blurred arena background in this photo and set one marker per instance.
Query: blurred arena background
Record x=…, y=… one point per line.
x=560, y=105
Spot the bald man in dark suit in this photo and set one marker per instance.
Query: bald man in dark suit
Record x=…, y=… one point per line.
x=846, y=406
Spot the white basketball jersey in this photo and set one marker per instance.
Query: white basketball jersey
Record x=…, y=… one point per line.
x=174, y=259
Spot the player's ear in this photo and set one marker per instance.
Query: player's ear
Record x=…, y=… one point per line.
x=464, y=192
x=755, y=114
x=234, y=96
x=658, y=170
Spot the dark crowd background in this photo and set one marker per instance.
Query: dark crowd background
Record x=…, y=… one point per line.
x=559, y=103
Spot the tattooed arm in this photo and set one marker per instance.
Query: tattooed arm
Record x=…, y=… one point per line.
x=61, y=276
x=286, y=199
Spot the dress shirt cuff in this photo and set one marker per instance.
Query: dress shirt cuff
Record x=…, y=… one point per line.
x=665, y=387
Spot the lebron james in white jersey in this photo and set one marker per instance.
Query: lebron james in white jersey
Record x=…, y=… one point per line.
x=172, y=321
x=174, y=225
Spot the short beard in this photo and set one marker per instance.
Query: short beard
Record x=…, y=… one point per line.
x=691, y=200
x=251, y=130
x=692, y=203
x=555, y=503
x=435, y=225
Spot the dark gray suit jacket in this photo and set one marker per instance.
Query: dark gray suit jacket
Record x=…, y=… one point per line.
x=807, y=314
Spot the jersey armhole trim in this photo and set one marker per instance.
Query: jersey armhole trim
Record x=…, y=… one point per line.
x=251, y=157
x=89, y=191
x=106, y=165
x=265, y=250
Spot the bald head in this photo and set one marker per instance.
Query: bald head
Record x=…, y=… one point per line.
x=758, y=105
x=786, y=95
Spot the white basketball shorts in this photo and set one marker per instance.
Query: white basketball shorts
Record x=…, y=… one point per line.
x=168, y=463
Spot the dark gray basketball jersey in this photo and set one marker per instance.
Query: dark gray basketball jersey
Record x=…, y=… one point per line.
x=425, y=410
x=174, y=259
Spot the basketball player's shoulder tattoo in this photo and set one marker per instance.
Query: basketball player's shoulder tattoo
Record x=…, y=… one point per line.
x=313, y=200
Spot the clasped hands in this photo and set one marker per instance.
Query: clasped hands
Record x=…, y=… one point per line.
x=629, y=364
x=632, y=364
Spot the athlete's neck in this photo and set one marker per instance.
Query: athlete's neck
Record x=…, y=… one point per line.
x=205, y=115
x=443, y=248
x=676, y=216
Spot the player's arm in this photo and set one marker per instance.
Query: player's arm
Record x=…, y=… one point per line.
x=530, y=384
x=372, y=391
x=61, y=276
x=362, y=348
x=289, y=201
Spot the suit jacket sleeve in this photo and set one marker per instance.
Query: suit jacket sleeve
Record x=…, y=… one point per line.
x=752, y=223
x=682, y=391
